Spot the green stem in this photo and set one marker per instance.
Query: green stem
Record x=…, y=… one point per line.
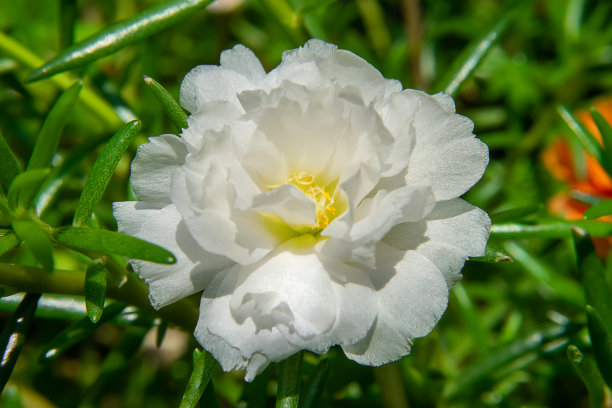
x=132, y=291
x=391, y=385
x=90, y=99
x=289, y=376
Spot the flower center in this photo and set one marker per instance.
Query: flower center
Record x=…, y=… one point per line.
x=324, y=202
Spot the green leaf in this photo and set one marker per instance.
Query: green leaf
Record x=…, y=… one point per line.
x=313, y=389
x=120, y=34
x=463, y=67
x=67, y=19
x=169, y=104
x=14, y=333
x=8, y=241
x=592, y=274
x=102, y=171
x=518, y=231
x=49, y=135
x=9, y=166
x=471, y=317
x=482, y=368
x=25, y=187
x=602, y=346
x=515, y=214
x=78, y=331
x=161, y=333
x=37, y=241
x=605, y=130
x=109, y=242
x=115, y=364
x=203, y=367
x=95, y=290
x=492, y=255
x=599, y=210
x=587, y=370
x=587, y=141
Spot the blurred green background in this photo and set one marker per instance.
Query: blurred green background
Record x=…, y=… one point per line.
x=503, y=340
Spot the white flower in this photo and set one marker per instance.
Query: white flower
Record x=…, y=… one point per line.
x=315, y=205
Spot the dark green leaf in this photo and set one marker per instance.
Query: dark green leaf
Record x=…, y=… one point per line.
x=9, y=166
x=492, y=255
x=95, y=290
x=587, y=141
x=599, y=210
x=605, y=130
x=602, y=346
x=13, y=335
x=514, y=214
x=120, y=34
x=592, y=274
x=49, y=135
x=67, y=17
x=313, y=389
x=482, y=368
x=102, y=171
x=115, y=364
x=161, y=333
x=109, y=242
x=8, y=241
x=78, y=331
x=468, y=60
x=203, y=367
x=586, y=368
x=37, y=241
x=171, y=107
x=24, y=188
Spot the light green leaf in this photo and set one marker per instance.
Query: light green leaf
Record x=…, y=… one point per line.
x=492, y=255
x=606, y=132
x=203, y=367
x=120, y=34
x=78, y=331
x=14, y=333
x=102, y=171
x=109, y=242
x=37, y=241
x=49, y=135
x=95, y=290
x=587, y=141
x=25, y=187
x=599, y=210
x=9, y=166
x=169, y=104
x=518, y=231
x=482, y=368
x=463, y=67
x=587, y=370
x=602, y=346
x=8, y=241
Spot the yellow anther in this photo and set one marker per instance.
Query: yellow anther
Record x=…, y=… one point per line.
x=324, y=202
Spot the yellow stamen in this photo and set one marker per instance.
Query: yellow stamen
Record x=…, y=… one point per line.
x=324, y=202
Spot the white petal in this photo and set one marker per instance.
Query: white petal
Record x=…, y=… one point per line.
x=194, y=268
x=289, y=203
x=412, y=295
x=153, y=166
x=452, y=232
x=445, y=101
x=446, y=152
x=357, y=239
x=242, y=60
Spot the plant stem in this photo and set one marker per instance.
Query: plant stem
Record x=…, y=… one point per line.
x=289, y=377
x=132, y=291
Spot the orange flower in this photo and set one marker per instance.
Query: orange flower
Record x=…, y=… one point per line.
x=594, y=180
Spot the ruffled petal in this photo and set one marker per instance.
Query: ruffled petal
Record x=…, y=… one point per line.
x=153, y=166
x=452, y=232
x=412, y=295
x=289, y=203
x=194, y=267
x=446, y=152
